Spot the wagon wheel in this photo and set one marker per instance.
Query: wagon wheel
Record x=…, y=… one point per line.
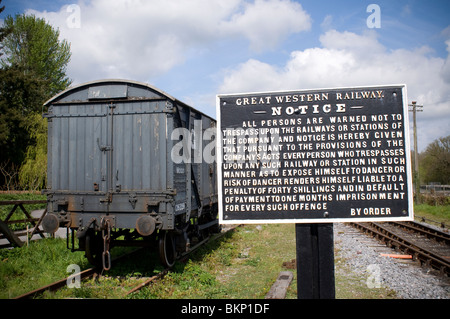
x=167, y=252
x=93, y=248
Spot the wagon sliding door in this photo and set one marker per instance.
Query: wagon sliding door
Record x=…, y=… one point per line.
x=77, y=162
x=139, y=148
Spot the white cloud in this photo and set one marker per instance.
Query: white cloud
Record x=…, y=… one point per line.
x=445, y=72
x=143, y=39
x=349, y=59
x=266, y=23
x=364, y=46
x=327, y=22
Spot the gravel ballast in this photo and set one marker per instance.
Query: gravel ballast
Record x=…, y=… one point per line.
x=363, y=256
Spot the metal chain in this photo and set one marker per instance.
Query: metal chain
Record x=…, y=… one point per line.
x=106, y=234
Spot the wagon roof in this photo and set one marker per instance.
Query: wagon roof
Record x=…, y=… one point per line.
x=86, y=85
x=108, y=82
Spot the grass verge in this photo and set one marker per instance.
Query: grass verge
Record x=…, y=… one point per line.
x=439, y=214
x=29, y=267
x=241, y=265
x=244, y=265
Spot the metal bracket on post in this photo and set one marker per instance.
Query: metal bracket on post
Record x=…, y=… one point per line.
x=315, y=261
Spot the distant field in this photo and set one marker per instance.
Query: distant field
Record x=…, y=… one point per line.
x=5, y=209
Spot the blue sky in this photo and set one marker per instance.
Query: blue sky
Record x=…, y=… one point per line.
x=195, y=49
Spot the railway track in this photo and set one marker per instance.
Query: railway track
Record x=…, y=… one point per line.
x=85, y=274
x=428, y=246
x=88, y=273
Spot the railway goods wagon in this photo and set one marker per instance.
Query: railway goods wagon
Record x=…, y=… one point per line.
x=129, y=164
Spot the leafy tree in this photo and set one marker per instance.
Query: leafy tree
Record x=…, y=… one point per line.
x=33, y=69
x=4, y=31
x=34, y=46
x=20, y=96
x=32, y=173
x=435, y=162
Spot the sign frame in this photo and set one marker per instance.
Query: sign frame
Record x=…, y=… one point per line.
x=408, y=215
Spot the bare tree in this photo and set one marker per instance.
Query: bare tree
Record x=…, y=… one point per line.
x=10, y=173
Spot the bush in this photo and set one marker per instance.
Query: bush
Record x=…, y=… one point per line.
x=435, y=200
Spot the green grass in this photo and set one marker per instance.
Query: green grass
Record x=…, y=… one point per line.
x=29, y=267
x=22, y=196
x=245, y=265
x=242, y=265
x=440, y=214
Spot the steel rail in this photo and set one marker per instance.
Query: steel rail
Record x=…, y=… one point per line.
x=182, y=258
x=92, y=271
x=62, y=282
x=423, y=255
x=431, y=233
x=160, y=275
x=148, y=281
x=57, y=284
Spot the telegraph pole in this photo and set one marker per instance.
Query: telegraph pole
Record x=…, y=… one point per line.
x=416, y=108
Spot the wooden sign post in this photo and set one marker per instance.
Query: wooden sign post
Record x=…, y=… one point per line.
x=314, y=158
x=315, y=261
